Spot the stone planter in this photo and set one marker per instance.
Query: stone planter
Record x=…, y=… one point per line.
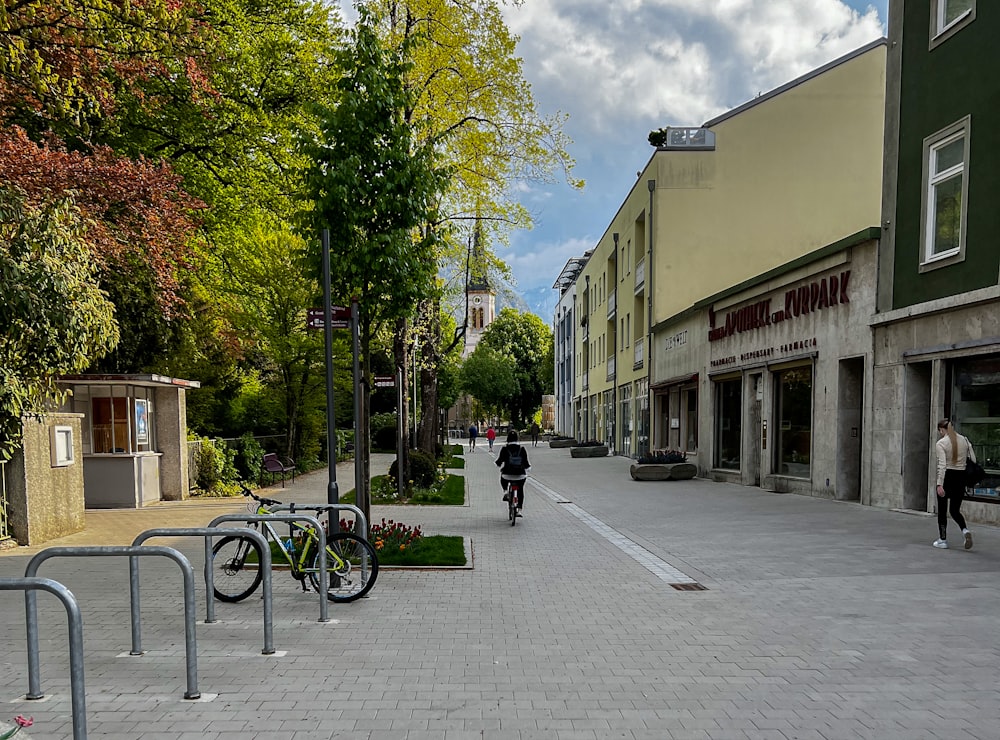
x=592, y=451
x=663, y=471
x=559, y=444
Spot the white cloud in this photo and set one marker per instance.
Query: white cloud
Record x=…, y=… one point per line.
x=676, y=62
x=539, y=264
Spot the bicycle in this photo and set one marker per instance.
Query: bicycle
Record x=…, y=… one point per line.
x=352, y=565
x=513, y=499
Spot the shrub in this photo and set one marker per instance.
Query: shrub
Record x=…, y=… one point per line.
x=423, y=469
x=589, y=443
x=662, y=457
x=249, y=455
x=384, y=438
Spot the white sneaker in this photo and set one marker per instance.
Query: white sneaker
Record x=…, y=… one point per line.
x=943, y=544
x=968, y=539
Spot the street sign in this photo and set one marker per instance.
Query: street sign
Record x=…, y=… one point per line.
x=341, y=318
x=385, y=381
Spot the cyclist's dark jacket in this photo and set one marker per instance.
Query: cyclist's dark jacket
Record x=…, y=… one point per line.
x=512, y=472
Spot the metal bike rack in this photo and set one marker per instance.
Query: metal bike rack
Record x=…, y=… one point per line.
x=324, y=582
x=30, y=585
x=293, y=507
x=208, y=533
x=330, y=509
x=34, y=688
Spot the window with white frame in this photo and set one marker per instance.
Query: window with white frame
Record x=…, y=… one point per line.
x=946, y=157
x=948, y=16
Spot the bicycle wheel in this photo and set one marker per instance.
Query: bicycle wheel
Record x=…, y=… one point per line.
x=236, y=568
x=352, y=567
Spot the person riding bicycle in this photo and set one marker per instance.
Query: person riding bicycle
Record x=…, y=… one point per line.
x=514, y=465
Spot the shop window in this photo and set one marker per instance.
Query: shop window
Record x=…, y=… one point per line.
x=110, y=425
x=976, y=410
x=794, y=412
x=728, y=423
x=689, y=407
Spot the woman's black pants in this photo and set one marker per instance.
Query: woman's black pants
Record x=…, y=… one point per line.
x=954, y=494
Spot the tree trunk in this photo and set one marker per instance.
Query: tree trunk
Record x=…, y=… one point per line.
x=400, y=351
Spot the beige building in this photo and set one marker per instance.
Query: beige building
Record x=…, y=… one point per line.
x=790, y=172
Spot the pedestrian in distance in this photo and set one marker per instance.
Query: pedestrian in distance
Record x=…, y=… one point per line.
x=491, y=434
x=514, y=465
x=951, y=450
x=534, y=434
x=473, y=433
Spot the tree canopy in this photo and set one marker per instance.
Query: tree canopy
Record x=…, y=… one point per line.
x=55, y=319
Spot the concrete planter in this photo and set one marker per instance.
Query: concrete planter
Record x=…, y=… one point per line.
x=593, y=451
x=559, y=444
x=663, y=471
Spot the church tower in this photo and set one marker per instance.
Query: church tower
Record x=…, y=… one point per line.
x=480, y=298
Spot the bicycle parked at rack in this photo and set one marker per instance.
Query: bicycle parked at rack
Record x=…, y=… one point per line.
x=352, y=565
x=514, y=489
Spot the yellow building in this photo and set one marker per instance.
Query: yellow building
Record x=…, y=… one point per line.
x=787, y=173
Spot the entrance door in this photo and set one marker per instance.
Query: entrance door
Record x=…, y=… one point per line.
x=758, y=443
x=850, y=397
x=916, y=431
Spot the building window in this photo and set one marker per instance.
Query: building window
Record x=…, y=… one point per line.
x=946, y=185
x=642, y=416
x=728, y=423
x=948, y=17
x=61, y=446
x=625, y=404
x=794, y=443
x=975, y=407
x=689, y=409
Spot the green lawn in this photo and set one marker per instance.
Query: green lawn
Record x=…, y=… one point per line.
x=452, y=493
x=439, y=550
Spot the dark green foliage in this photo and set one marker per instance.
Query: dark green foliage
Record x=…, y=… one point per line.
x=423, y=470
x=384, y=438
x=249, y=454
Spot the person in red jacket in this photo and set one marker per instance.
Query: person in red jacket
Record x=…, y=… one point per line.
x=491, y=434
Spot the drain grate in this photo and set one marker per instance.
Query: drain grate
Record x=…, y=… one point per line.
x=688, y=587
x=564, y=502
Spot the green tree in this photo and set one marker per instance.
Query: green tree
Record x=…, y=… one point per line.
x=489, y=377
x=468, y=83
x=373, y=187
x=55, y=319
x=527, y=341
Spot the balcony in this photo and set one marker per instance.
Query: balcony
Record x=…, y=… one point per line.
x=612, y=304
x=640, y=353
x=640, y=275
x=611, y=368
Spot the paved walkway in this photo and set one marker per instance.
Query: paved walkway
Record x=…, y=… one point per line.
x=820, y=620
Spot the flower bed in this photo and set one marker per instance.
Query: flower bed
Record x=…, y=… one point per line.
x=559, y=443
x=591, y=448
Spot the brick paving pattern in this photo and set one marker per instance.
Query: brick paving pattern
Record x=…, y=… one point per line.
x=821, y=621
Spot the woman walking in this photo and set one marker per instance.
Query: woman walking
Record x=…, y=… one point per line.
x=951, y=449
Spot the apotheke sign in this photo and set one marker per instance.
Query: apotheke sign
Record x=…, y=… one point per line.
x=816, y=296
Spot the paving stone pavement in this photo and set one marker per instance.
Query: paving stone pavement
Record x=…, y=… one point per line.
x=821, y=621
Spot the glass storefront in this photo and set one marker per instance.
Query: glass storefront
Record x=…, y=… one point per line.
x=975, y=408
x=728, y=418
x=626, y=419
x=642, y=412
x=793, y=393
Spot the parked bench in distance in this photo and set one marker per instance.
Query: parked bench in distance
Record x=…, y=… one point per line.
x=275, y=465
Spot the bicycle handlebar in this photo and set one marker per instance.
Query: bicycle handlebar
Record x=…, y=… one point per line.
x=250, y=494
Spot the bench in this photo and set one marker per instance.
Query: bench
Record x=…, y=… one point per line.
x=275, y=465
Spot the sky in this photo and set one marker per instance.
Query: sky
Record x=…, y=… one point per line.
x=622, y=68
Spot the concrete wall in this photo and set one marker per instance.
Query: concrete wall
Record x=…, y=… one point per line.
x=171, y=439
x=44, y=501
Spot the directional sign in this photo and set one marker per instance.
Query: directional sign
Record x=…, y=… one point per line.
x=341, y=318
x=385, y=381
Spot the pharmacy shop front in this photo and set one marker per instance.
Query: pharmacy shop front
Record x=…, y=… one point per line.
x=789, y=366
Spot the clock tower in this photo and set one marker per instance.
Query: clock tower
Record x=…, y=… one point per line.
x=480, y=299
